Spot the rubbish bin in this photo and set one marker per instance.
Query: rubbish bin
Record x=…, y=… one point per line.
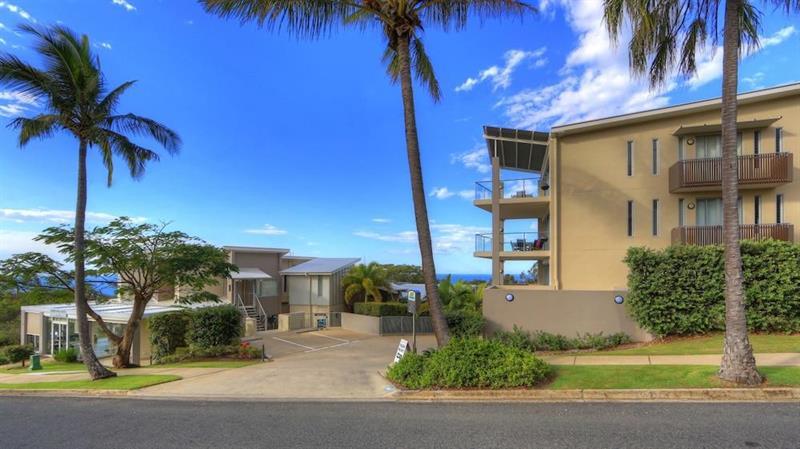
x=36, y=362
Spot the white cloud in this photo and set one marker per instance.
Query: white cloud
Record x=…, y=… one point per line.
x=18, y=11
x=57, y=216
x=447, y=238
x=754, y=81
x=16, y=102
x=500, y=77
x=404, y=236
x=381, y=220
x=124, y=4
x=3, y=41
x=17, y=242
x=466, y=194
x=267, y=229
x=777, y=38
x=441, y=193
x=477, y=158
x=105, y=45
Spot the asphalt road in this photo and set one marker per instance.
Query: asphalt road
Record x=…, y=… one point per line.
x=125, y=423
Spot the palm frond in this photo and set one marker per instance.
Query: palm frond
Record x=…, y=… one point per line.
x=135, y=156
x=109, y=103
x=136, y=125
x=25, y=78
x=40, y=127
x=456, y=14
x=423, y=68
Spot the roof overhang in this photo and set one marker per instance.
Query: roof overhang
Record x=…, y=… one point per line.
x=716, y=128
x=517, y=149
x=249, y=273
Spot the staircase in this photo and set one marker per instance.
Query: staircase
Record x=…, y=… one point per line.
x=256, y=312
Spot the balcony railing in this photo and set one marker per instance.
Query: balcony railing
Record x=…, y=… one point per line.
x=511, y=188
x=514, y=241
x=754, y=169
x=712, y=235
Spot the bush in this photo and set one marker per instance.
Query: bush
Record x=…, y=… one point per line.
x=381, y=308
x=167, y=333
x=470, y=363
x=4, y=360
x=214, y=326
x=248, y=352
x=195, y=352
x=545, y=341
x=680, y=290
x=465, y=323
x=18, y=353
x=69, y=355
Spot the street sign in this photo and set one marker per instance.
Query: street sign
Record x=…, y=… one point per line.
x=412, y=295
x=401, y=350
x=412, y=302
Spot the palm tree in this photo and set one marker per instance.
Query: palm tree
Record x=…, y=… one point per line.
x=401, y=23
x=666, y=31
x=365, y=281
x=78, y=102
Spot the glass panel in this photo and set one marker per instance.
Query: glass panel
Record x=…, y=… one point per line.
x=267, y=287
x=709, y=212
x=708, y=146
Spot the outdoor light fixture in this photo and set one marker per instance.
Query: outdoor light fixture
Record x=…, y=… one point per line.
x=690, y=206
x=619, y=299
x=690, y=141
x=509, y=297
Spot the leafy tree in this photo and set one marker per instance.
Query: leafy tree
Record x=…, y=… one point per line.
x=78, y=101
x=401, y=24
x=670, y=33
x=460, y=296
x=140, y=259
x=403, y=273
x=364, y=282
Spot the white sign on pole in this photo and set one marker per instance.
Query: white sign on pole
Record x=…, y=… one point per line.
x=401, y=350
x=412, y=295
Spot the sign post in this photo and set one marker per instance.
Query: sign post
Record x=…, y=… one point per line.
x=401, y=350
x=412, y=308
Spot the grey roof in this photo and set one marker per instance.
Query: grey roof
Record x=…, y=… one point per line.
x=322, y=265
x=405, y=286
x=517, y=149
x=255, y=249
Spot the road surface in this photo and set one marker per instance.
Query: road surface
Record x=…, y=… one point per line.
x=136, y=423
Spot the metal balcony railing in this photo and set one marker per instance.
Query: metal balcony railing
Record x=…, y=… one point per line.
x=511, y=188
x=754, y=169
x=712, y=235
x=514, y=241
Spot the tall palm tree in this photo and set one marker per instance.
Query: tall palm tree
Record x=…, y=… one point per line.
x=401, y=23
x=365, y=281
x=78, y=102
x=669, y=33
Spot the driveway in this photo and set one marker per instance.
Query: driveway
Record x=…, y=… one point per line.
x=329, y=364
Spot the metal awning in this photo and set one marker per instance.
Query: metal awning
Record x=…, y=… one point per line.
x=250, y=273
x=517, y=149
x=716, y=128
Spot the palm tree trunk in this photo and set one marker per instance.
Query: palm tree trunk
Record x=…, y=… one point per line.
x=738, y=364
x=438, y=319
x=95, y=368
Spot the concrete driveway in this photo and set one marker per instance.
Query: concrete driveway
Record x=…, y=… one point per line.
x=329, y=364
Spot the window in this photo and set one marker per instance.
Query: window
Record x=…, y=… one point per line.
x=681, y=150
x=630, y=218
x=655, y=217
x=655, y=156
x=681, y=212
x=779, y=208
x=757, y=209
x=266, y=288
x=285, y=284
x=630, y=158
x=778, y=140
x=319, y=286
x=756, y=142
x=709, y=212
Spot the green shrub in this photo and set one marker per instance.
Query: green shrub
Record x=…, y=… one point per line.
x=167, y=333
x=4, y=360
x=470, y=363
x=248, y=352
x=69, y=355
x=465, y=323
x=680, y=290
x=195, y=352
x=214, y=326
x=18, y=353
x=545, y=341
x=381, y=308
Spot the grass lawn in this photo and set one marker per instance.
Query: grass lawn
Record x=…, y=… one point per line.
x=708, y=344
x=229, y=363
x=657, y=376
x=47, y=367
x=113, y=383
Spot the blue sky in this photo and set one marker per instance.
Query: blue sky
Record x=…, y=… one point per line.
x=299, y=144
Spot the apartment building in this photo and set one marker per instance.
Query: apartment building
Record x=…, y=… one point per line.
x=586, y=192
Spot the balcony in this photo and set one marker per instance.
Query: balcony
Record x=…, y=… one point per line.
x=755, y=171
x=520, y=198
x=712, y=235
x=516, y=246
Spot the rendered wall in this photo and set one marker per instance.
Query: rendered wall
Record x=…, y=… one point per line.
x=361, y=323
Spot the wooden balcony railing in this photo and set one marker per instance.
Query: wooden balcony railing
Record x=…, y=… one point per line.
x=712, y=235
x=754, y=170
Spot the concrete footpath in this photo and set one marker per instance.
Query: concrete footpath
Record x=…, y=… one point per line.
x=777, y=359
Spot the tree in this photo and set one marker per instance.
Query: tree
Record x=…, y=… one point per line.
x=668, y=30
x=401, y=23
x=403, y=273
x=365, y=281
x=77, y=101
x=140, y=259
x=460, y=296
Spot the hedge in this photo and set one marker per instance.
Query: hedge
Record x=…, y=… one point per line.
x=17, y=353
x=465, y=323
x=381, y=308
x=214, y=326
x=167, y=333
x=680, y=290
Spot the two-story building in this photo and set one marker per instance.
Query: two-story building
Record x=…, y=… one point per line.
x=588, y=191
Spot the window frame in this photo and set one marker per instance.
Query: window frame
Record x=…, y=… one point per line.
x=778, y=139
x=779, y=212
x=630, y=218
x=655, y=156
x=629, y=149
x=655, y=217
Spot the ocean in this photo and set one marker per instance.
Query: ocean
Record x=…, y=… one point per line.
x=466, y=277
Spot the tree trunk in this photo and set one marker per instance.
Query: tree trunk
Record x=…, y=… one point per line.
x=95, y=368
x=438, y=319
x=738, y=364
x=122, y=359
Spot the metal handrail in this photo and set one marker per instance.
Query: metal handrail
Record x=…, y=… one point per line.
x=527, y=242
x=530, y=188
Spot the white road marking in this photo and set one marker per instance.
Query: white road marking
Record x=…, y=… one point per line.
x=293, y=343
x=333, y=338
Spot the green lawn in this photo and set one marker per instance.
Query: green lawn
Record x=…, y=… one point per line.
x=657, y=376
x=223, y=363
x=709, y=344
x=113, y=383
x=47, y=367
